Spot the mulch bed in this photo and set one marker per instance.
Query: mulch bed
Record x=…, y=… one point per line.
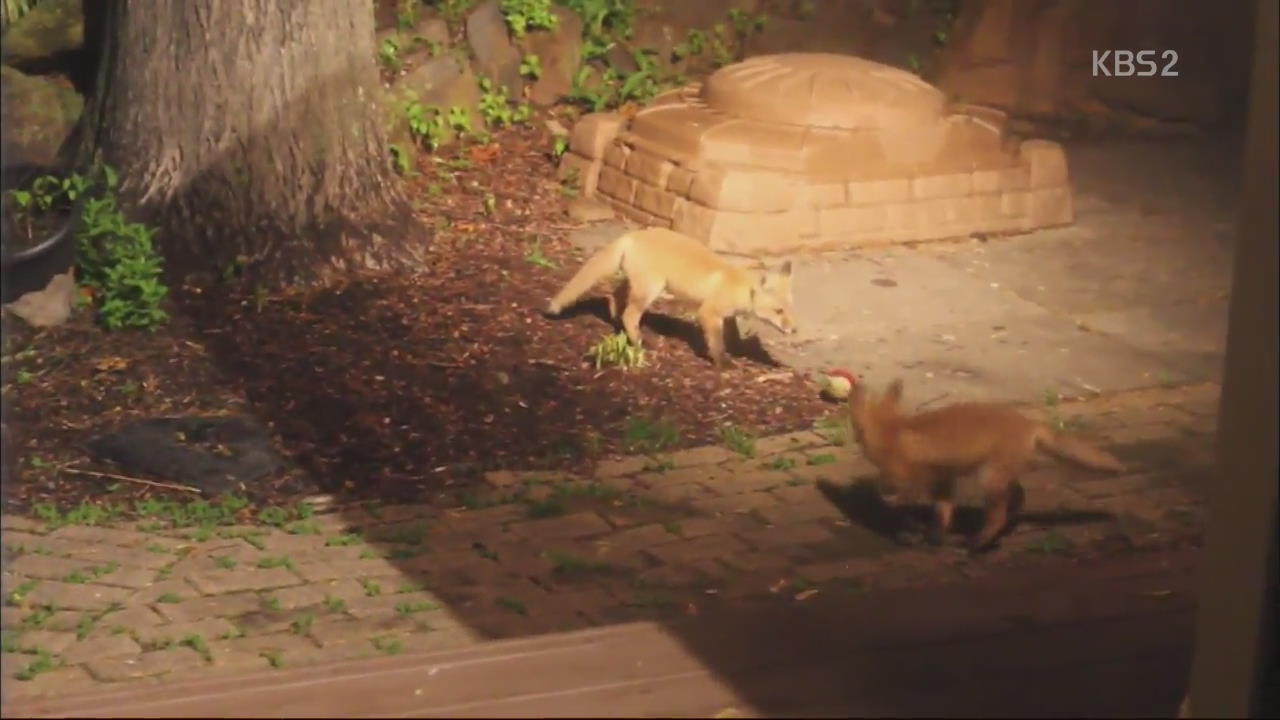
x=394, y=387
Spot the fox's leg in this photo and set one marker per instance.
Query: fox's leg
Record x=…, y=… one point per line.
x=639, y=298
x=943, y=493
x=618, y=300
x=997, y=485
x=712, y=322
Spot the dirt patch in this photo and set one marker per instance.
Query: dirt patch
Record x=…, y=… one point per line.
x=397, y=387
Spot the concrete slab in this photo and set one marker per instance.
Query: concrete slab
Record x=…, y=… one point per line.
x=1015, y=358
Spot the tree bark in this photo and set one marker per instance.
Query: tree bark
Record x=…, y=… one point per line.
x=248, y=132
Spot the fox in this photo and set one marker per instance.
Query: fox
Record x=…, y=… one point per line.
x=658, y=260
x=930, y=450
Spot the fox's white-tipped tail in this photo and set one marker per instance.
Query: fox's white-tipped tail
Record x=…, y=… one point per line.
x=604, y=263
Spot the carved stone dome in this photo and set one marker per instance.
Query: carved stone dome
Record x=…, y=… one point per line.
x=823, y=90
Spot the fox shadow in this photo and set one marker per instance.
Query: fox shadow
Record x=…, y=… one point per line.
x=863, y=503
x=673, y=328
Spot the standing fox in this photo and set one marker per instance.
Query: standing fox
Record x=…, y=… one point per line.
x=657, y=260
x=931, y=449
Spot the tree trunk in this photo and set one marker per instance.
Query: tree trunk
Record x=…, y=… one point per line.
x=248, y=132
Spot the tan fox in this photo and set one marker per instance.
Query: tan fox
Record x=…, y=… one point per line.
x=929, y=450
x=658, y=260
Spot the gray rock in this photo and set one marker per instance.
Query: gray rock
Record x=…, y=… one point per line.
x=496, y=56
x=49, y=28
x=559, y=53
x=38, y=113
x=50, y=306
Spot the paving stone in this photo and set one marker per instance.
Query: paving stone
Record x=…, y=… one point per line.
x=60, y=620
x=48, y=567
x=750, y=480
x=333, y=554
x=510, y=480
x=353, y=649
x=128, y=619
x=278, y=543
x=414, y=605
x=248, y=653
x=448, y=638
x=845, y=468
x=336, y=632
x=573, y=526
x=844, y=569
x=757, y=561
x=744, y=503
x=486, y=521
x=11, y=616
x=100, y=648
x=115, y=536
x=126, y=557
x=797, y=512
x=636, y=538
x=21, y=524
x=709, y=547
x=318, y=594
x=201, y=608
x=47, y=640
x=238, y=579
x=208, y=629
x=706, y=474
x=784, y=536
x=269, y=622
x=696, y=527
x=22, y=541
x=685, y=493
x=162, y=592
x=56, y=682
x=623, y=466
x=803, y=439
x=144, y=664
x=706, y=455
x=72, y=596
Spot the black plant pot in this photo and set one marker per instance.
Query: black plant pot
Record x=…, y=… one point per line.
x=32, y=269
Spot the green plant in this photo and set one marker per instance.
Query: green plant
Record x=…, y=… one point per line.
x=496, y=108
x=44, y=662
x=458, y=119
x=401, y=159
x=695, y=43
x=559, y=145
x=536, y=256
x=531, y=67
x=739, y=440
x=745, y=24
x=649, y=436
x=525, y=15
x=426, y=124
x=602, y=21
x=453, y=10
x=118, y=260
x=389, y=53
x=407, y=13
x=617, y=350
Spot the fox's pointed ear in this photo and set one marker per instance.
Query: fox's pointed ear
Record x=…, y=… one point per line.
x=894, y=393
x=785, y=270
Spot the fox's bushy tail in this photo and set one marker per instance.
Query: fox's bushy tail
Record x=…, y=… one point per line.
x=1077, y=451
x=604, y=263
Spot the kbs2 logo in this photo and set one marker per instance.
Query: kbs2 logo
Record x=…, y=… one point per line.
x=1126, y=63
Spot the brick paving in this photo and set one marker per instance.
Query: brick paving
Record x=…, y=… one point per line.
x=643, y=538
